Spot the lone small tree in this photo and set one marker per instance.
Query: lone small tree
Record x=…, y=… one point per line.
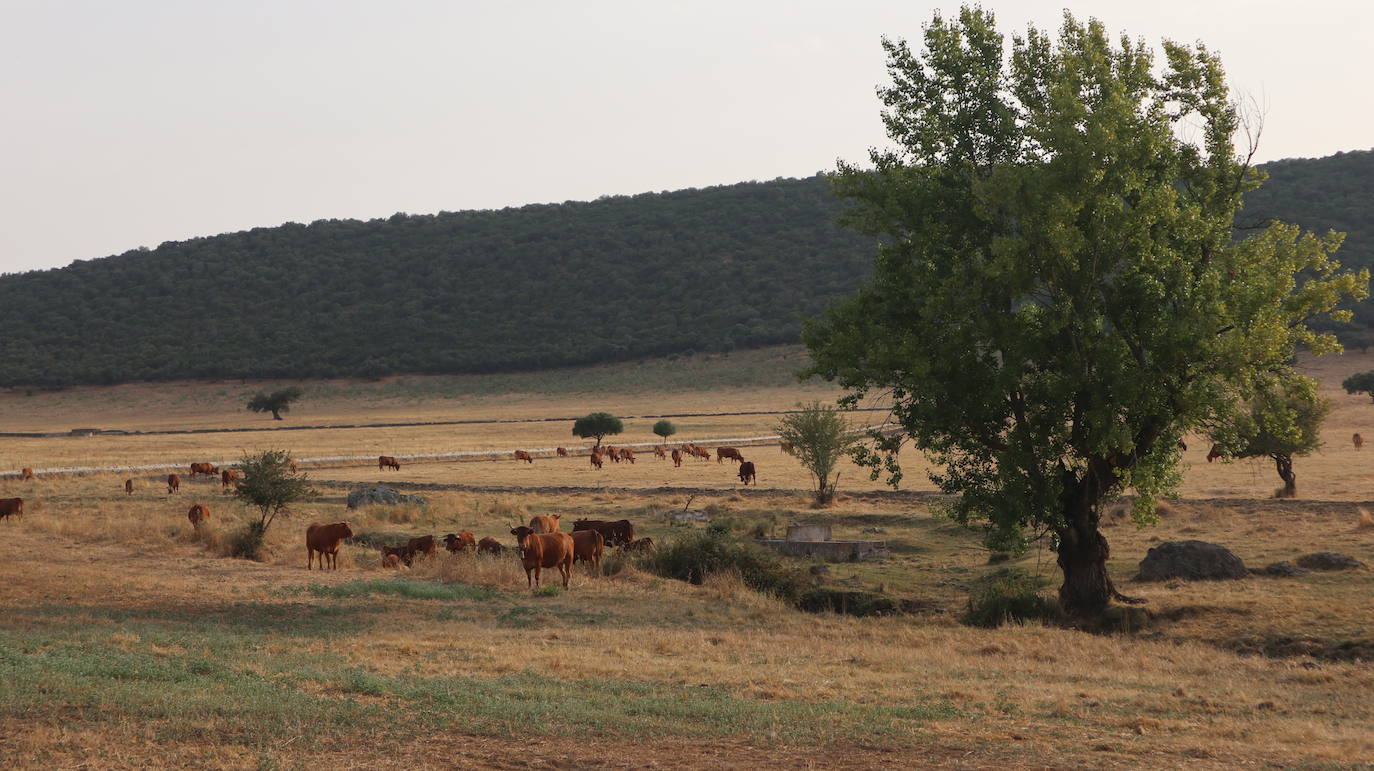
x=597, y=425
x=665, y=428
x=1360, y=382
x=819, y=436
x=276, y=402
x=1282, y=421
x=269, y=486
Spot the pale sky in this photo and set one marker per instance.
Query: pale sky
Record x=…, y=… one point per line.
x=126, y=124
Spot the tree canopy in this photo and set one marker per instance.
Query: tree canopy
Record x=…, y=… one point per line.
x=819, y=436
x=1059, y=294
x=276, y=402
x=597, y=425
x=1282, y=420
x=1360, y=382
x=665, y=428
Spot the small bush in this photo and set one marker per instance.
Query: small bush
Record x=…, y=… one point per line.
x=247, y=543
x=548, y=590
x=696, y=555
x=1009, y=595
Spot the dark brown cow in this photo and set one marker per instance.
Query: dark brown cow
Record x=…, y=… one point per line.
x=173, y=483
x=544, y=550
x=615, y=533
x=1358, y=440
x=588, y=545
x=522, y=455
x=128, y=487
x=596, y=459
x=423, y=545
x=462, y=541
x=562, y=452
x=746, y=472
x=387, y=462
x=198, y=514
x=545, y=523
x=1215, y=453
x=643, y=544
x=627, y=454
x=25, y=475
x=228, y=478
x=728, y=452
x=11, y=507
x=325, y=539
x=208, y=469
x=398, y=553
x=489, y=545
x=677, y=458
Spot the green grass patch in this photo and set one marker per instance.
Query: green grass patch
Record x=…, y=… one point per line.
x=399, y=587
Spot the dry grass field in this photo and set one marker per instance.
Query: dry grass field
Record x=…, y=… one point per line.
x=129, y=640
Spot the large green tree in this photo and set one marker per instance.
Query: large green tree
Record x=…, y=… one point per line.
x=597, y=425
x=1058, y=296
x=1282, y=420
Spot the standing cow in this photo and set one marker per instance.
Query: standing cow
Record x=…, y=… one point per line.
x=677, y=458
x=11, y=507
x=173, y=483
x=544, y=550
x=728, y=452
x=198, y=514
x=525, y=456
x=387, y=462
x=325, y=539
x=746, y=472
x=588, y=546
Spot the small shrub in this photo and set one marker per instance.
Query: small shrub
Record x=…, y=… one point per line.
x=1008, y=595
x=548, y=590
x=247, y=543
x=696, y=555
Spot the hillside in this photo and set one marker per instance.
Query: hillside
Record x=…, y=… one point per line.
x=524, y=289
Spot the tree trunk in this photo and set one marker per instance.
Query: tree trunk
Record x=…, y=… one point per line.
x=1083, y=553
x=276, y=415
x=1284, y=465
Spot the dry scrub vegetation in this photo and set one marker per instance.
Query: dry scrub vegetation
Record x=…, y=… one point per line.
x=128, y=639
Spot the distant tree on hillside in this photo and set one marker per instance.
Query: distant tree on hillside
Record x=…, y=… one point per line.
x=597, y=425
x=665, y=428
x=1283, y=421
x=276, y=402
x=1360, y=382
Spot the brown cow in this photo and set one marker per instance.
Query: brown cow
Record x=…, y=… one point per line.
x=677, y=458
x=545, y=523
x=25, y=475
x=387, y=462
x=198, y=514
x=489, y=545
x=615, y=533
x=544, y=550
x=701, y=452
x=391, y=561
x=643, y=544
x=728, y=452
x=611, y=452
x=398, y=553
x=588, y=546
x=562, y=452
x=423, y=545
x=660, y=452
x=1358, y=440
x=128, y=487
x=596, y=458
x=786, y=447
x=208, y=469
x=462, y=541
x=1215, y=453
x=627, y=454
x=325, y=539
x=292, y=466
x=173, y=483
x=522, y=455
x=746, y=472
x=11, y=507
x=228, y=478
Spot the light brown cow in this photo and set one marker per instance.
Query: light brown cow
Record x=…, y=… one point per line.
x=208, y=469
x=1357, y=440
x=596, y=459
x=325, y=539
x=228, y=478
x=461, y=541
x=786, y=447
x=489, y=545
x=387, y=462
x=611, y=452
x=728, y=452
x=562, y=452
x=522, y=455
x=25, y=475
x=198, y=514
x=588, y=546
x=677, y=458
x=544, y=550
x=11, y=507
x=626, y=454
x=173, y=483
x=660, y=452
x=545, y=523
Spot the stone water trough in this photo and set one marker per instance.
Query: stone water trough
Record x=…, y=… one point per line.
x=815, y=541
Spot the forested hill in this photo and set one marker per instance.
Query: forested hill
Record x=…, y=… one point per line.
x=518, y=289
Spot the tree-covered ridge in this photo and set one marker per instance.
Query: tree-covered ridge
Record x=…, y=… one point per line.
x=531, y=288
x=480, y=291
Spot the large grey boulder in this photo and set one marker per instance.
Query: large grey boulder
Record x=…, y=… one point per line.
x=1191, y=561
x=372, y=496
x=1328, y=560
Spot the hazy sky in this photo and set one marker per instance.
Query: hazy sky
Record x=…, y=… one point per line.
x=126, y=124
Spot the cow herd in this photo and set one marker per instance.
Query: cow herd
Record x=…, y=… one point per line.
x=600, y=455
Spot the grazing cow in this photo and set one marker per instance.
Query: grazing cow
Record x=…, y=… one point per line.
x=612, y=453
x=391, y=561
x=463, y=541
x=128, y=487
x=1358, y=440
x=228, y=478
x=387, y=462
x=11, y=507
x=545, y=523
x=198, y=514
x=746, y=472
x=522, y=455
x=25, y=475
x=1214, y=453
x=173, y=483
x=627, y=454
x=596, y=458
x=660, y=452
x=208, y=469
x=544, y=550
x=677, y=458
x=562, y=452
x=588, y=546
x=325, y=539
x=787, y=448
x=489, y=545
x=615, y=533
x=728, y=452
x=701, y=452
x=643, y=544
x=1182, y=445
x=423, y=545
